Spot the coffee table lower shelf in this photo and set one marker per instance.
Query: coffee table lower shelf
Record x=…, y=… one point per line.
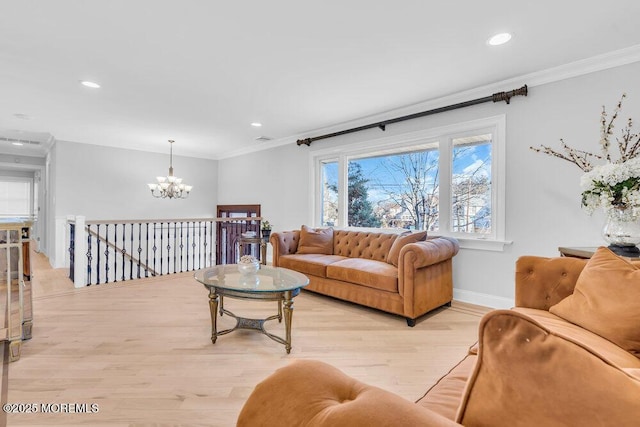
x=285, y=309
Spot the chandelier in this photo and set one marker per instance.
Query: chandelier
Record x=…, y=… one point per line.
x=170, y=187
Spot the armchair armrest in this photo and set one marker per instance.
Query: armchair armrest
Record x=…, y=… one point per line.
x=311, y=393
x=284, y=243
x=528, y=375
x=543, y=282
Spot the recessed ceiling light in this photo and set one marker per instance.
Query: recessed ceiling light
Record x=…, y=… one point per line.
x=499, y=39
x=92, y=85
x=256, y=124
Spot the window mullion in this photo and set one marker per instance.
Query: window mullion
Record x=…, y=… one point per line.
x=444, y=184
x=343, y=191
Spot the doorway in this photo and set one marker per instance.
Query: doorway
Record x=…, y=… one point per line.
x=233, y=220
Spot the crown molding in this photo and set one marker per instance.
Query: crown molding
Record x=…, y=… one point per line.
x=570, y=70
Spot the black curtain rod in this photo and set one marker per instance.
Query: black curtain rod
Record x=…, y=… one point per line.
x=496, y=97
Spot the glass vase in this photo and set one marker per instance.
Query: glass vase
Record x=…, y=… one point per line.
x=622, y=230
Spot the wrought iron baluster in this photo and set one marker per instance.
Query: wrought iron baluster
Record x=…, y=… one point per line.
x=146, y=270
x=175, y=246
x=187, y=246
x=139, y=247
x=168, y=248
x=155, y=248
x=123, y=250
x=205, y=243
x=89, y=257
x=98, y=252
x=181, y=246
x=131, y=250
x=161, y=237
x=72, y=250
x=193, y=248
x=211, y=242
x=115, y=253
x=106, y=254
x=199, y=244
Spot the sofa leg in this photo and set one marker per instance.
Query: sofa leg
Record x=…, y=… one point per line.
x=411, y=322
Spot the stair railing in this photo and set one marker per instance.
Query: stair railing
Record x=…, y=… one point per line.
x=109, y=251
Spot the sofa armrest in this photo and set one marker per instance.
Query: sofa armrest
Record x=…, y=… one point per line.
x=543, y=282
x=428, y=252
x=284, y=243
x=528, y=375
x=312, y=393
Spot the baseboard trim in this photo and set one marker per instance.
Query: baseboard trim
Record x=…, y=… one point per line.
x=485, y=300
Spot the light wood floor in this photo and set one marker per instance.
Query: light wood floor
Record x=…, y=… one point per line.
x=141, y=350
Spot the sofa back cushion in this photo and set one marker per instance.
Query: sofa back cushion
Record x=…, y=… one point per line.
x=363, y=244
x=606, y=300
x=315, y=241
x=400, y=242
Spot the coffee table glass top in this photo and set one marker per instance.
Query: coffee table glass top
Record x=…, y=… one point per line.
x=267, y=279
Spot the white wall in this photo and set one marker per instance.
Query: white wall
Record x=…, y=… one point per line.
x=543, y=193
x=111, y=183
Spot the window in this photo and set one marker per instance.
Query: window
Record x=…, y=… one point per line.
x=471, y=185
x=329, y=193
x=15, y=197
x=448, y=180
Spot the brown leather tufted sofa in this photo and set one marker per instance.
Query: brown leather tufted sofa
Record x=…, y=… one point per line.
x=529, y=368
x=358, y=270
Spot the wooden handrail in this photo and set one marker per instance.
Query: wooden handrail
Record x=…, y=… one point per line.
x=158, y=221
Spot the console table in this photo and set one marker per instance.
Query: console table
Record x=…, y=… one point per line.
x=584, y=252
x=254, y=241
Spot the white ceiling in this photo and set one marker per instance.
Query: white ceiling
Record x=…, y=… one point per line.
x=200, y=71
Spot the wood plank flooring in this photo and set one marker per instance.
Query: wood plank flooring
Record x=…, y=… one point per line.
x=141, y=351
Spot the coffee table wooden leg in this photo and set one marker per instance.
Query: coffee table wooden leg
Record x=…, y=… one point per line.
x=213, y=307
x=288, y=315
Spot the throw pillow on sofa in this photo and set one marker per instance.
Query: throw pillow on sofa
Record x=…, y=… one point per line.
x=606, y=300
x=315, y=241
x=400, y=242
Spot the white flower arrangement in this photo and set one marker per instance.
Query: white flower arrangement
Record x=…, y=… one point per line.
x=616, y=183
x=612, y=185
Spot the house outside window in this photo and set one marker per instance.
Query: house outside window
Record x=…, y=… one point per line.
x=448, y=181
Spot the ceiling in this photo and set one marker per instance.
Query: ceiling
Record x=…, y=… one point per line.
x=201, y=71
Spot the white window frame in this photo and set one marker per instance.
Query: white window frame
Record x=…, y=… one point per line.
x=444, y=137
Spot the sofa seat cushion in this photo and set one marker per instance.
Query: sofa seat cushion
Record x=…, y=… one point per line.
x=313, y=264
x=444, y=397
x=603, y=347
x=365, y=272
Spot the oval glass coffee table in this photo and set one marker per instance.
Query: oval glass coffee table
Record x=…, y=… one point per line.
x=268, y=284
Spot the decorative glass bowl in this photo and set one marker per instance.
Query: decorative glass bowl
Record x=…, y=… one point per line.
x=249, y=267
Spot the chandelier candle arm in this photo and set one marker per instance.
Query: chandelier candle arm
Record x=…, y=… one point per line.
x=170, y=186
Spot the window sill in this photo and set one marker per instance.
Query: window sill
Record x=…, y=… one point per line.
x=483, y=245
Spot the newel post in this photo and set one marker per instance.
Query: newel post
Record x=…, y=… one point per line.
x=80, y=253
